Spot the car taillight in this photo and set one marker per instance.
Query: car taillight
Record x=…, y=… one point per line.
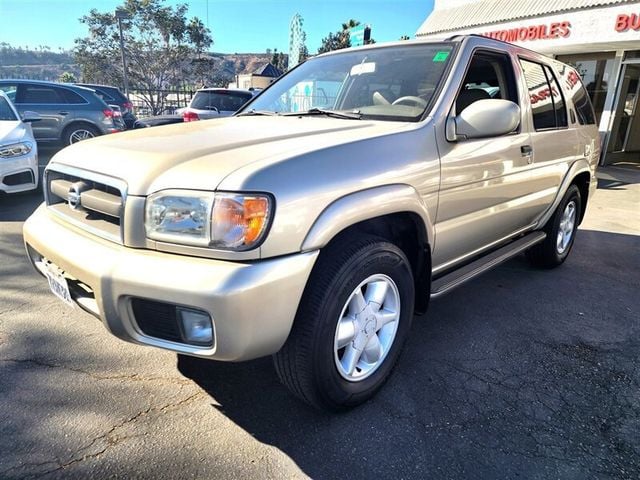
x=128, y=105
x=108, y=112
x=190, y=116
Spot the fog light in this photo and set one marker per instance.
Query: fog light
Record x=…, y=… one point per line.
x=197, y=328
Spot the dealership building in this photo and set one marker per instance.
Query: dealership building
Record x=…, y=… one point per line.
x=600, y=38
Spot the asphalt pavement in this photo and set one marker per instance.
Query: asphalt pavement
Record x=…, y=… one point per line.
x=522, y=373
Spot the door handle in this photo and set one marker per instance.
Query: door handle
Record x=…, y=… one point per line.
x=63, y=113
x=527, y=152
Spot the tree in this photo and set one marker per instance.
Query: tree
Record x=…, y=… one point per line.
x=67, y=77
x=340, y=39
x=160, y=46
x=279, y=60
x=333, y=41
x=303, y=53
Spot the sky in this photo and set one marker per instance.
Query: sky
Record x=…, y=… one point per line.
x=237, y=26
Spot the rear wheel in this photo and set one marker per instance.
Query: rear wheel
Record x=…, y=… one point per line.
x=79, y=131
x=561, y=231
x=352, y=321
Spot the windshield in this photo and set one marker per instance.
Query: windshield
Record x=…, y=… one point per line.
x=6, y=112
x=220, y=100
x=388, y=83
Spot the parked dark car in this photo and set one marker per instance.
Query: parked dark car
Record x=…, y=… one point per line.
x=69, y=113
x=113, y=96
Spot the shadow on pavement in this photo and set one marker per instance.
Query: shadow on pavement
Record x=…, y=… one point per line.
x=18, y=207
x=521, y=372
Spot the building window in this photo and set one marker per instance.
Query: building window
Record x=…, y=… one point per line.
x=595, y=69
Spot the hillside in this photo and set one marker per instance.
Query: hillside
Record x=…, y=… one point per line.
x=43, y=64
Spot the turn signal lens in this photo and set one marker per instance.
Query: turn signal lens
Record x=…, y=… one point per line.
x=239, y=221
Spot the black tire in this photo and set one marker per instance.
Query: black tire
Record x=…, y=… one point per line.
x=306, y=364
x=75, y=128
x=548, y=253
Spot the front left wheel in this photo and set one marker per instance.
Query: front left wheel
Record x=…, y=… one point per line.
x=353, y=318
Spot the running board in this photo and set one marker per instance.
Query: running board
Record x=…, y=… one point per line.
x=458, y=277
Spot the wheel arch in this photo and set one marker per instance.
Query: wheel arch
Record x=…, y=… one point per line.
x=394, y=213
x=582, y=181
x=579, y=174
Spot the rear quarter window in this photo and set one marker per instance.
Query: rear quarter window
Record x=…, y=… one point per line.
x=71, y=97
x=579, y=97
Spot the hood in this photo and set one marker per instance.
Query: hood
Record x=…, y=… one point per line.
x=13, y=131
x=199, y=155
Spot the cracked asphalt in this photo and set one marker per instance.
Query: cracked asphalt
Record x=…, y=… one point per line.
x=521, y=373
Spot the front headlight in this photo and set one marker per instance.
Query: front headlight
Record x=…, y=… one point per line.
x=15, y=149
x=230, y=221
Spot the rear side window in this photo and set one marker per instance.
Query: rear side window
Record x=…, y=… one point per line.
x=547, y=103
x=41, y=94
x=557, y=97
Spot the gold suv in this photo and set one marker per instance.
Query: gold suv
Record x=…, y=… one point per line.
x=314, y=223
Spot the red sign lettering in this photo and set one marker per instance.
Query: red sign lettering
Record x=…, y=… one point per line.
x=534, y=32
x=543, y=94
x=627, y=22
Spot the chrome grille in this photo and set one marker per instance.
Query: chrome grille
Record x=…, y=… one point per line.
x=94, y=202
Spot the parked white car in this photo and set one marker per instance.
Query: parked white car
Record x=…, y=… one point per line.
x=18, y=149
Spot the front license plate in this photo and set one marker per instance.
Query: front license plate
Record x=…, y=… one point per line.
x=58, y=285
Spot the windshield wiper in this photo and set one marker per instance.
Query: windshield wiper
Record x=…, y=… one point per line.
x=354, y=115
x=251, y=112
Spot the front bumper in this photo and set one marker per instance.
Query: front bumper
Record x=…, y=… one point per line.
x=15, y=166
x=252, y=304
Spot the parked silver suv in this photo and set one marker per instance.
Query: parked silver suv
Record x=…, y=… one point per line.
x=215, y=102
x=69, y=113
x=316, y=222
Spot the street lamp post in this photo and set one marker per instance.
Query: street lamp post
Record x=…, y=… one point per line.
x=123, y=15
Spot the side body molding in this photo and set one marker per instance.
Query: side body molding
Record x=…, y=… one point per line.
x=365, y=205
x=581, y=166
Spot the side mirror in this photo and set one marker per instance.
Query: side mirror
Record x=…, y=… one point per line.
x=30, y=117
x=484, y=118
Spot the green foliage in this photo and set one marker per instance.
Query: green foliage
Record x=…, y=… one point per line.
x=67, y=77
x=340, y=39
x=304, y=51
x=160, y=45
x=279, y=60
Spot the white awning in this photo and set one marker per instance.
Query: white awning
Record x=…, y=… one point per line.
x=487, y=12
